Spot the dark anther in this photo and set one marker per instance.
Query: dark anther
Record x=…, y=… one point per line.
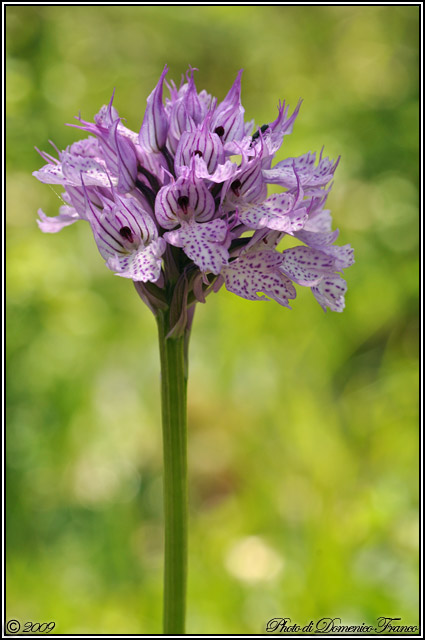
x=198, y=153
x=183, y=202
x=125, y=232
x=219, y=131
x=263, y=128
x=235, y=186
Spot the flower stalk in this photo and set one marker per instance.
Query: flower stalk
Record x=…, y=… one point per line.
x=173, y=356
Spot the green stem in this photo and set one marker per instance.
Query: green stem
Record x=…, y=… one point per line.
x=173, y=354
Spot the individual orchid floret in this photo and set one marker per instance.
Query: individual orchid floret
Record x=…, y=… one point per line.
x=204, y=145
x=154, y=130
x=287, y=172
x=116, y=146
x=182, y=200
x=316, y=269
x=285, y=212
x=127, y=238
x=246, y=186
x=189, y=204
x=69, y=169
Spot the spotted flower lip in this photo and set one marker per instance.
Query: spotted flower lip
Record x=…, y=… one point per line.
x=183, y=205
x=256, y=275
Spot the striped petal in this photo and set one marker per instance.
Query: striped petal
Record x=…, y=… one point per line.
x=203, y=144
x=154, y=129
x=228, y=118
x=183, y=200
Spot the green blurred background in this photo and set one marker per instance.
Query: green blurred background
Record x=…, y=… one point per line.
x=303, y=426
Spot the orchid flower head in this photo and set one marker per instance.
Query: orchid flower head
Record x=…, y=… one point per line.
x=183, y=204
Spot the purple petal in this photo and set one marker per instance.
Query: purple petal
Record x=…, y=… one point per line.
x=256, y=273
x=186, y=109
x=94, y=173
x=320, y=221
x=278, y=212
x=106, y=233
x=153, y=133
x=128, y=212
x=107, y=114
x=306, y=266
x=285, y=172
x=126, y=159
x=202, y=243
x=203, y=145
x=222, y=173
x=229, y=114
x=183, y=200
x=343, y=256
x=67, y=215
x=329, y=293
x=50, y=174
x=247, y=185
x=281, y=127
x=318, y=240
x=88, y=148
x=142, y=265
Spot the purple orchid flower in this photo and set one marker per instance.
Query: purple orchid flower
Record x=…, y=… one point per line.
x=183, y=205
x=127, y=238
